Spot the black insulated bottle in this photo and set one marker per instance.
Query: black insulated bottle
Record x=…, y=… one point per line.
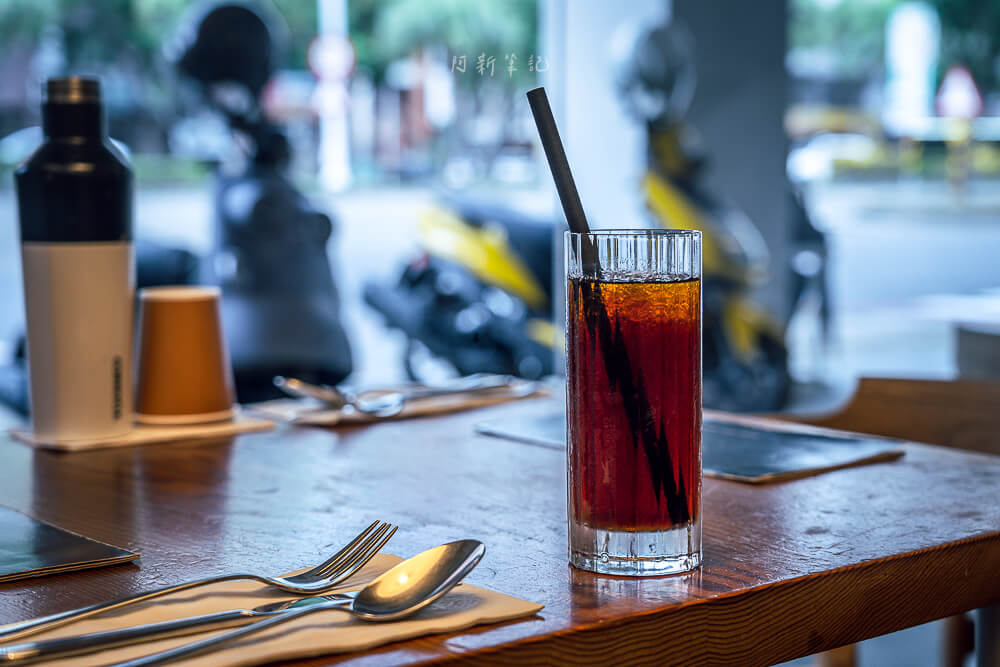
x=74, y=199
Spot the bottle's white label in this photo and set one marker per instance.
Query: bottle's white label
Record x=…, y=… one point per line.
x=78, y=299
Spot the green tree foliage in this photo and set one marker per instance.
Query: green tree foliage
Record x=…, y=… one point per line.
x=129, y=33
x=302, y=21
x=970, y=35
x=852, y=31
x=385, y=30
x=21, y=21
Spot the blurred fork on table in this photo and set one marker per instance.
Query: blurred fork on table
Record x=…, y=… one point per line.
x=319, y=579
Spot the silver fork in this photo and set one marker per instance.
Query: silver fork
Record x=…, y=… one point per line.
x=319, y=579
x=30, y=653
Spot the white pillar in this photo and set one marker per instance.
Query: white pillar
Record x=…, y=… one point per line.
x=331, y=100
x=605, y=147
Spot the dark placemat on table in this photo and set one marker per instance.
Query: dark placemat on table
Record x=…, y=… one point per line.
x=31, y=548
x=733, y=450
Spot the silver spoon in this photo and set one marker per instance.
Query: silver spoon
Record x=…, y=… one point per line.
x=331, y=396
x=392, y=403
x=398, y=592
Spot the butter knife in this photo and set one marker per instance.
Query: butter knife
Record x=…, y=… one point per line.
x=50, y=649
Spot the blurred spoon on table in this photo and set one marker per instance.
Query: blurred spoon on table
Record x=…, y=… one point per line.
x=390, y=404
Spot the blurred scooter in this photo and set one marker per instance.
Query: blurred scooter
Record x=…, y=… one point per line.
x=744, y=358
x=280, y=306
x=480, y=295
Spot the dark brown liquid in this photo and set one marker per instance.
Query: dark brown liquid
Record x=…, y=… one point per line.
x=634, y=408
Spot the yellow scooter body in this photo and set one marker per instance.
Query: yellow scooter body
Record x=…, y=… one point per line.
x=485, y=252
x=482, y=250
x=743, y=322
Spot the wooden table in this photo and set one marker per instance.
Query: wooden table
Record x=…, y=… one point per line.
x=790, y=569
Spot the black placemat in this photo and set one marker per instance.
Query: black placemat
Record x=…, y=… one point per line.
x=735, y=450
x=31, y=548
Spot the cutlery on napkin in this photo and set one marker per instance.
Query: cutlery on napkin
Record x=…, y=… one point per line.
x=320, y=634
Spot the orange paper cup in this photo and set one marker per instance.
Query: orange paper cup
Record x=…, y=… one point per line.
x=183, y=375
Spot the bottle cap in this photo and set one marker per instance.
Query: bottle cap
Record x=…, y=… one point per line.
x=72, y=90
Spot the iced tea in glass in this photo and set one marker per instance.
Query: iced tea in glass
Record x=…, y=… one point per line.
x=633, y=339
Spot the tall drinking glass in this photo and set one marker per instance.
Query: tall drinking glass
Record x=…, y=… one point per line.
x=633, y=396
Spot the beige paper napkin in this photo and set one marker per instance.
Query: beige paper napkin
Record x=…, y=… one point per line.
x=320, y=633
x=303, y=411
x=143, y=434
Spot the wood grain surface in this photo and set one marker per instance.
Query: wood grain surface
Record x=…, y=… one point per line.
x=790, y=568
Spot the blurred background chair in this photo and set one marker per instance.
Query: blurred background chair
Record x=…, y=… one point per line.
x=953, y=413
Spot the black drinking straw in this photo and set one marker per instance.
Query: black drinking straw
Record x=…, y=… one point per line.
x=547, y=130
x=561, y=174
x=616, y=360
